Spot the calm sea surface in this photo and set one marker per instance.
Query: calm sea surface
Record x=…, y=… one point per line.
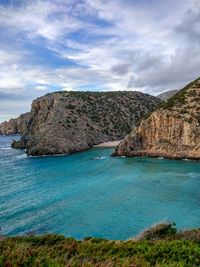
x=92, y=194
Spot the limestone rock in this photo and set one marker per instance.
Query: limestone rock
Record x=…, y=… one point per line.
x=172, y=131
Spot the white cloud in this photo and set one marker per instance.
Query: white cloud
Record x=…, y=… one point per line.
x=9, y=57
x=68, y=89
x=12, y=109
x=42, y=87
x=115, y=44
x=47, y=19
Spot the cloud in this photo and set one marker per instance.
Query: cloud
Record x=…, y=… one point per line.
x=150, y=46
x=183, y=67
x=9, y=57
x=190, y=26
x=41, y=87
x=68, y=89
x=15, y=108
x=47, y=19
x=121, y=69
x=147, y=62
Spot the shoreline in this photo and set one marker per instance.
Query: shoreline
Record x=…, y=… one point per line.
x=154, y=154
x=108, y=144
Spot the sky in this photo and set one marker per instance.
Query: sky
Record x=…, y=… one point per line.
x=48, y=45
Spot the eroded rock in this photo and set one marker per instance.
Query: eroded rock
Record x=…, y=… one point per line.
x=172, y=131
x=14, y=126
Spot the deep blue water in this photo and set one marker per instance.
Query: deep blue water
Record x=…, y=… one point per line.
x=81, y=195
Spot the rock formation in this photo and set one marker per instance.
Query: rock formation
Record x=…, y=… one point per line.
x=68, y=122
x=166, y=95
x=172, y=131
x=14, y=126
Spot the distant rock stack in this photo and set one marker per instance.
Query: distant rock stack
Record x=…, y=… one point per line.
x=14, y=126
x=69, y=122
x=172, y=131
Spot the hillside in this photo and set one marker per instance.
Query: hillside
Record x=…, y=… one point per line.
x=172, y=131
x=166, y=95
x=161, y=245
x=68, y=122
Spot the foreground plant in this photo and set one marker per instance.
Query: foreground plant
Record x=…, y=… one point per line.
x=161, y=245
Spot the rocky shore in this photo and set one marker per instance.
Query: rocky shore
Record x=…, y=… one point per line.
x=172, y=131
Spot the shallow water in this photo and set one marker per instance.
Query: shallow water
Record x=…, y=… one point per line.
x=92, y=194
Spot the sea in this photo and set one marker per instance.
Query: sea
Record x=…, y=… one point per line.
x=93, y=194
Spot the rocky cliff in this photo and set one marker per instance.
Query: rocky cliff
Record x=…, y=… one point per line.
x=68, y=122
x=172, y=131
x=14, y=126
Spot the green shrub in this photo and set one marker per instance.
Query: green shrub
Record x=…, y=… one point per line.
x=74, y=121
x=56, y=250
x=70, y=106
x=159, y=231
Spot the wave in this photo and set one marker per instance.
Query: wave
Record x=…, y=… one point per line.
x=194, y=175
x=23, y=156
x=100, y=158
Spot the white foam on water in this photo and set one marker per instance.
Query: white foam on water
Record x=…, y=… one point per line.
x=6, y=148
x=100, y=157
x=194, y=175
x=23, y=156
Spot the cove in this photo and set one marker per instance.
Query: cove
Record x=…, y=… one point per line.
x=92, y=194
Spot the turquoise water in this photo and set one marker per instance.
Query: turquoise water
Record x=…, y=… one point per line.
x=83, y=195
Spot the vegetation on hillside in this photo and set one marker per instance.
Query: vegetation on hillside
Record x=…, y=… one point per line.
x=182, y=98
x=113, y=113
x=179, y=98
x=161, y=245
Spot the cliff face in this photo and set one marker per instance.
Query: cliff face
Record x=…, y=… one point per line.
x=14, y=126
x=68, y=122
x=172, y=131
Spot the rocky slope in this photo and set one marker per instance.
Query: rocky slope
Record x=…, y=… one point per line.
x=172, y=131
x=166, y=95
x=14, y=126
x=68, y=122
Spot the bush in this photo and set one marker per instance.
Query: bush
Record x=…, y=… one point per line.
x=70, y=106
x=159, y=246
x=159, y=231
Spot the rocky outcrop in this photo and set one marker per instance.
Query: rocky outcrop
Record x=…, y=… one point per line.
x=17, y=144
x=172, y=131
x=68, y=122
x=14, y=126
x=166, y=95
x=9, y=127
